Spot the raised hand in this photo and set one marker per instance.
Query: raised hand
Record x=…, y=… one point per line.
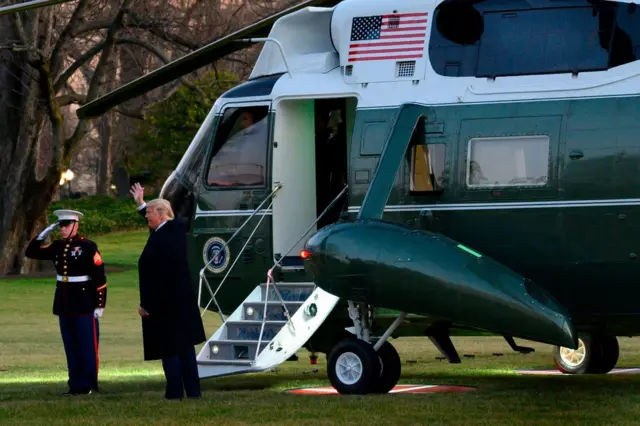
x=47, y=230
x=137, y=192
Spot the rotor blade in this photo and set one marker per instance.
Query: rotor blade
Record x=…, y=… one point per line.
x=20, y=7
x=191, y=62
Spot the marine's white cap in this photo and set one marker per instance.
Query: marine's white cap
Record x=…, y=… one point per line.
x=68, y=215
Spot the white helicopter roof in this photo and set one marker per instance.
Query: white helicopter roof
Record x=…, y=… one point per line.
x=379, y=52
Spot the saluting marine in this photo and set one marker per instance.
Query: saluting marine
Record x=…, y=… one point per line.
x=80, y=297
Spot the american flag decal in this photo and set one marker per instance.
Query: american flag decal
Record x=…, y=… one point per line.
x=384, y=37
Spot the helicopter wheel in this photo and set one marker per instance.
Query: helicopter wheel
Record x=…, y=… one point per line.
x=353, y=367
x=390, y=369
x=609, y=354
x=596, y=354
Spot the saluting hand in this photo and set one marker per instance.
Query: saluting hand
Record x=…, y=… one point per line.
x=142, y=312
x=46, y=232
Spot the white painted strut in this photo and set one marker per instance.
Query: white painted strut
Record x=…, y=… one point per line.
x=390, y=330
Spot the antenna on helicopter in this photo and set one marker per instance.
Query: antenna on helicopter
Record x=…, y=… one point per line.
x=206, y=55
x=35, y=4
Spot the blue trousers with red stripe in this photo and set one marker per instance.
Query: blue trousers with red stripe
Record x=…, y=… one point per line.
x=81, y=336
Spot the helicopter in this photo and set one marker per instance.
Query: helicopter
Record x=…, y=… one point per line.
x=415, y=168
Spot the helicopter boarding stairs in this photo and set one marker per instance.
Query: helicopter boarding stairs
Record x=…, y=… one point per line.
x=270, y=325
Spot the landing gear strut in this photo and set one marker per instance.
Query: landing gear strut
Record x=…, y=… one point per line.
x=356, y=366
x=596, y=354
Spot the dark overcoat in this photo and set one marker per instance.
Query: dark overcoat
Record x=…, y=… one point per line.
x=167, y=294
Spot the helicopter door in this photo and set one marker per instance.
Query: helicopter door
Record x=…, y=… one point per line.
x=234, y=182
x=294, y=166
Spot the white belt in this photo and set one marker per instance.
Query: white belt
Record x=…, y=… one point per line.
x=78, y=279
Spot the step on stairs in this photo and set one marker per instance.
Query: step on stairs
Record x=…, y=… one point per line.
x=232, y=348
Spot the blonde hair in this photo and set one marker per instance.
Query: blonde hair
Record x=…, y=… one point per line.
x=162, y=207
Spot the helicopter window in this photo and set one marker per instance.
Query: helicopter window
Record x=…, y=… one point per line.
x=493, y=38
x=427, y=167
x=508, y=161
x=192, y=160
x=240, y=148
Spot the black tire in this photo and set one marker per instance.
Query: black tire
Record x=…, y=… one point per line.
x=609, y=354
x=367, y=370
x=390, y=366
x=599, y=355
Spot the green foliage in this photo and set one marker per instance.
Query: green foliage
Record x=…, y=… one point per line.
x=102, y=214
x=170, y=125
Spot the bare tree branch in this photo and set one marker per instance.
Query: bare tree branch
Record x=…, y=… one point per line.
x=66, y=35
x=151, y=48
x=130, y=113
x=17, y=21
x=143, y=22
x=98, y=77
x=89, y=54
x=71, y=98
x=46, y=87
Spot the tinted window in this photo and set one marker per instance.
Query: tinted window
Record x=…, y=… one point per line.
x=508, y=161
x=626, y=37
x=240, y=151
x=495, y=38
x=191, y=163
x=540, y=41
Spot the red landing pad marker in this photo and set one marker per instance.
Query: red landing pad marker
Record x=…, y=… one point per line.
x=558, y=373
x=328, y=390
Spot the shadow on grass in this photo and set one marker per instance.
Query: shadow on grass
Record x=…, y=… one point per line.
x=487, y=382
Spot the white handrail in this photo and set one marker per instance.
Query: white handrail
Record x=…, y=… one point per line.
x=202, y=271
x=275, y=286
x=276, y=189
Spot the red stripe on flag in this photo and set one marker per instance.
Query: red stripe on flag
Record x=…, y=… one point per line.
x=400, y=15
x=403, y=22
x=385, y=43
x=414, y=35
x=395, y=30
x=365, y=52
x=382, y=58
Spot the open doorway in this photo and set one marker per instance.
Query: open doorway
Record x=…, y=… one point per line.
x=331, y=150
x=310, y=160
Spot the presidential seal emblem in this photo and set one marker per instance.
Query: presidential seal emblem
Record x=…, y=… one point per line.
x=214, y=256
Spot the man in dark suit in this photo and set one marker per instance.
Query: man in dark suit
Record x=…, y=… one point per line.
x=171, y=322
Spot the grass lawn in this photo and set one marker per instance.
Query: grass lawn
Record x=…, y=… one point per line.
x=33, y=372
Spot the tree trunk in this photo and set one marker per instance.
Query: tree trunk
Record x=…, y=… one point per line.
x=23, y=199
x=107, y=123
x=104, y=162
x=121, y=180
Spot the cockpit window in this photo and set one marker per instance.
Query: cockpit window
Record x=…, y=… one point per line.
x=240, y=151
x=191, y=163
